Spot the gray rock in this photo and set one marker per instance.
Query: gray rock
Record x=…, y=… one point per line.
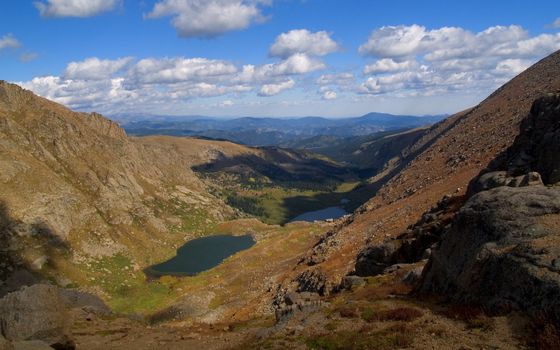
x=499, y=252
x=413, y=277
x=297, y=302
x=394, y=268
x=351, y=282
x=489, y=181
x=88, y=302
x=427, y=253
x=314, y=281
x=374, y=260
x=34, y=313
x=532, y=179
x=302, y=298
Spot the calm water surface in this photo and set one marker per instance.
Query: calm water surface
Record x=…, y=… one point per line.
x=201, y=254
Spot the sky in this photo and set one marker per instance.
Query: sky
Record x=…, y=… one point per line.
x=333, y=58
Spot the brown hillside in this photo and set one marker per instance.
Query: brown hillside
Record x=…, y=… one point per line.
x=442, y=162
x=77, y=179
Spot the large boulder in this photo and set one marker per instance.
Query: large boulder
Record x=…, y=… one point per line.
x=375, y=259
x=35, y=313
x=503, y=250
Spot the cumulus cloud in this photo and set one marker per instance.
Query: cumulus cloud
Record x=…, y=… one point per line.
x=298, y=64
x=275, y=89
x=416, y=60
x=303, y=41
x=556, y=23
x=95, y=69
x=453, y=42
x=9, y=42
x=112, y=86
x=511, y=67
x=387, y=65
x=209, y=18
x=179, y=69
x=75, y=8
x=81, y=94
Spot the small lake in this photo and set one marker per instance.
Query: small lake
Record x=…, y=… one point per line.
x=201, y=254
x=323, y=214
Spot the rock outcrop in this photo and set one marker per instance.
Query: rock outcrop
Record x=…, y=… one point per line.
x=503, y=248
x=415, y=244
x=35, y=313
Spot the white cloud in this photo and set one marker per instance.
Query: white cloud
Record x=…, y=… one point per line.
x=393, y=41
x=303, y=41
x=176, y=70
x=339, y=79
x=78, y=93
x=511, y=67
x=9, y=42
x=329, y=95
x=208, y=18
x=556, y=23
x=95, y=69
x=298, y=64
x=387, y=65
x=453, y=42
x=75, y=8
x=112, y=86
x=274, y=89
x=412, y=60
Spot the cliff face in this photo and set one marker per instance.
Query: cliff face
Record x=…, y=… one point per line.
x=77, y=180
x=440, y=163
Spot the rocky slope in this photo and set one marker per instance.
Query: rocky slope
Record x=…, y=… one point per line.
x=441, y=163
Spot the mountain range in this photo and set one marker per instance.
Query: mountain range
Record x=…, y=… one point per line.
x=272, y=131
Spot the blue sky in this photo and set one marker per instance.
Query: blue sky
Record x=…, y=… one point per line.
x=271, y=57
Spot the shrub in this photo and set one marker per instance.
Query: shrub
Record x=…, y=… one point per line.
x=473, y=315
x=406, y=314
x=348, y=312
x=369, y=315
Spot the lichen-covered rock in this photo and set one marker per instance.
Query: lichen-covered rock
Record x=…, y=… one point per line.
x=34, y=313
x=500, y=251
